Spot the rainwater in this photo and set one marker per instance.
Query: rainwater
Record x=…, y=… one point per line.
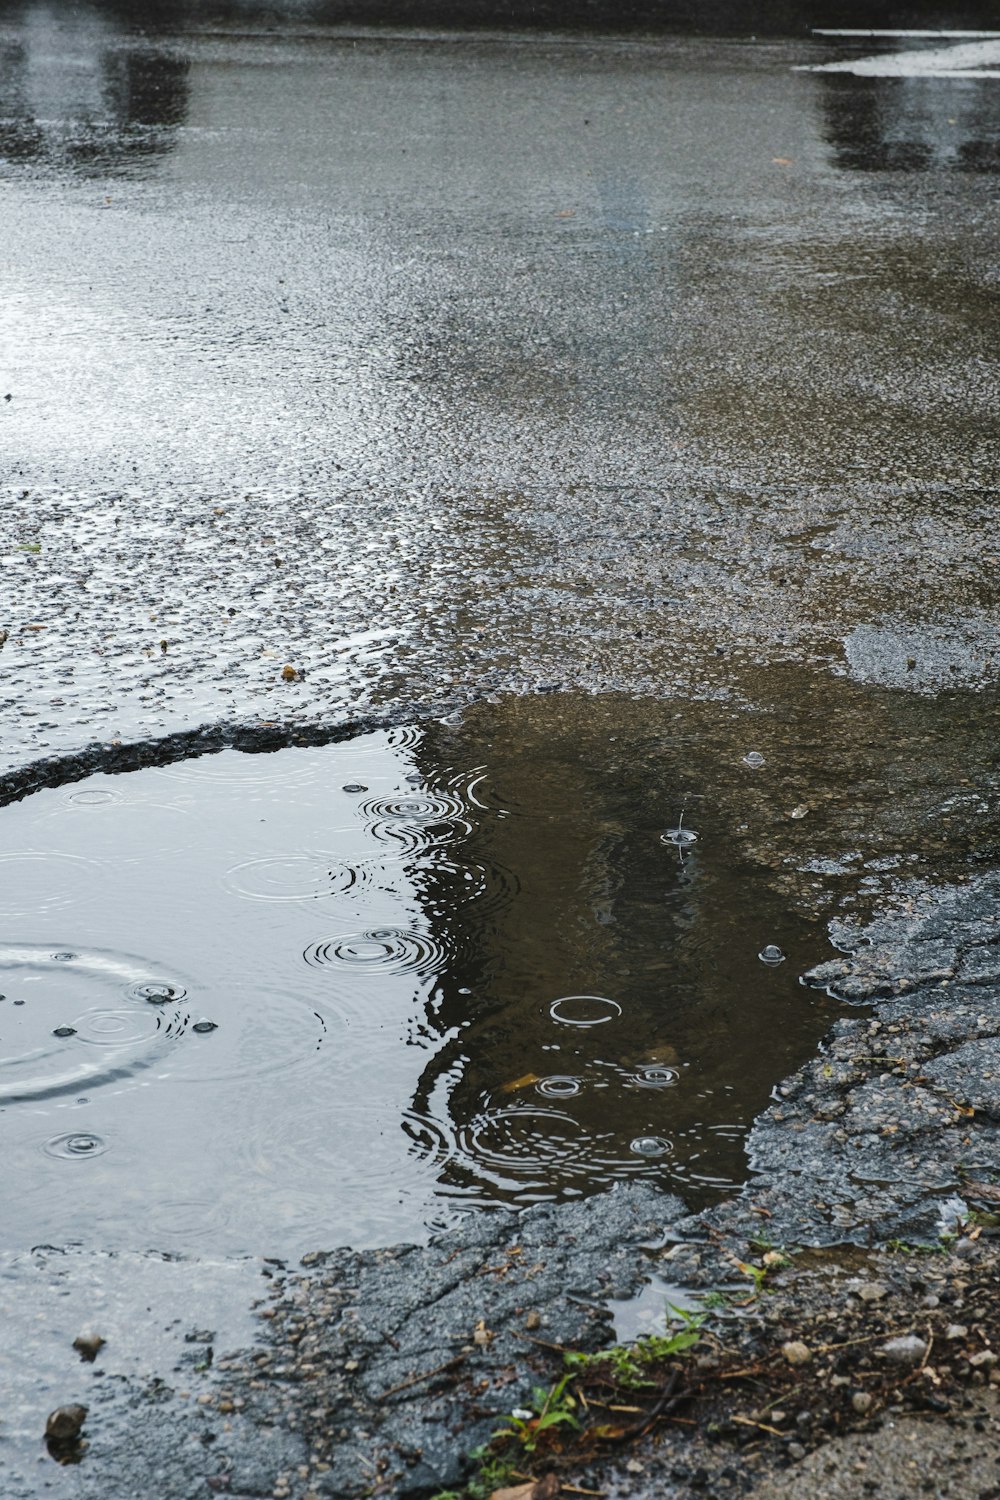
x=345, y=994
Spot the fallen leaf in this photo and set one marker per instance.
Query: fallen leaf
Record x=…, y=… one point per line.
x=547, y=1488
x=520, y=1083
x=982, y=1190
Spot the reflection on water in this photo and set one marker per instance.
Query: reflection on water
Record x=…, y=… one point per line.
x=220, y=1038
x=75, y=93
x=911, y=124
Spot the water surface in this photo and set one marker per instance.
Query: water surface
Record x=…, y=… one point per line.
x=344, y=994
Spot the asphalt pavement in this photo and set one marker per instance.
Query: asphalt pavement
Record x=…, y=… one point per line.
x=435, y=365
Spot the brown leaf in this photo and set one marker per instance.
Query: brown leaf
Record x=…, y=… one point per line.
x=547, y=1488
x=982, y=1189
x=520, y=1083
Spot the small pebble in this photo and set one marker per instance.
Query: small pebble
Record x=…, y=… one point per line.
x=906, y=1350
x=88, y=1345
x=956, y=1331
x=872, y=1291
x=796, y=1353
x=862, y=1401
x=64, y=1423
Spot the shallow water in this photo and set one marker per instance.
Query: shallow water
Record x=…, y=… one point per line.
x=344, y=994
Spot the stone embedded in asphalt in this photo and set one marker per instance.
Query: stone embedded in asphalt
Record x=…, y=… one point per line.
x=64, y=1424
x=909, y=1349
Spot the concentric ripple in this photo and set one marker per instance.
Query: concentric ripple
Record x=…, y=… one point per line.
x=244, y=768
x=32, y=883
x=154, y=991
x=430, y=1144
x=655, y=1077
x=680, y=837
x=95, y=797
x=584, y=1010
x=306, y=877
x=64, y=1023
x=442, y=880
x=650, y=1146
x=75, y=1146
x=414, y=821
x=518, y=1142
x=394, y=950
x=559, y=1086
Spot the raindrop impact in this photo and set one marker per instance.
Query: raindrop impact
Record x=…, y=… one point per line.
x=382, y=950
x=584, y=1010
x=75, y=1146
x=754, y=759
x=558, y=1087
x=771, y=955
x=656, y=1077
x=650, y=1145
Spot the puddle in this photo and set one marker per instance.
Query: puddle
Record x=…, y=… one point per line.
x=265, y=1003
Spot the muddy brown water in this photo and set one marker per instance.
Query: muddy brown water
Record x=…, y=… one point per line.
x=345, y=994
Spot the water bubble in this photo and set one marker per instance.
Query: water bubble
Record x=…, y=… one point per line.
x=64, y=1031
x=771, y=955
x=203, y=1027
x=655, y=1077
x=75, y=1146
x=558, y=1087
x=155, y=991
x=650, y=1145
x=584, y=1010
x=679, y=836
x=63, y=958
x=354, y=787
x=753, y=758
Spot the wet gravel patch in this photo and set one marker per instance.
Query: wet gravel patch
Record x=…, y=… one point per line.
x=899, y=1112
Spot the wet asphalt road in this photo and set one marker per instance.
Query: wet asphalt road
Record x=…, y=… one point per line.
x=433, y=365
x=438, y=365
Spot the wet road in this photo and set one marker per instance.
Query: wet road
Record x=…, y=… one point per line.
x=433, y=365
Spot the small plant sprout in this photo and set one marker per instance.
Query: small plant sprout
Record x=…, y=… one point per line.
x=549, y=1408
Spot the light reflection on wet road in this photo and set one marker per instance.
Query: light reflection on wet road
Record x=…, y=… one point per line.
x=440, y=365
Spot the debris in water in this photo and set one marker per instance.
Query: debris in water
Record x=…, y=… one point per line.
x=88, y=1345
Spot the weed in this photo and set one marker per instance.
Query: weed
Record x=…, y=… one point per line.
x=911, y=1247
x=548, y=1409
x=494, y=1473
x=629, y=1364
